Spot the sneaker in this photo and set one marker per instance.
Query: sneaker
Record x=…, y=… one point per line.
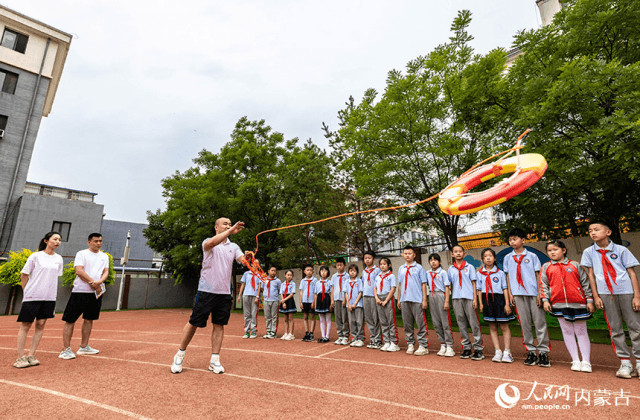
x=410, y=349
x=67, y=354
x=585, y=367
x=358, y=343
x=507, y=357
x=267, y=335
x=345, y=341
x=176, y=367
x=216, y=367
x=371, y=345
x=443, y=350
x=272, y=335
x=22, y=362
x=254, y=335
x=543, y=360
x=450, y=352
x=385, y=347
x=353, y=343
x=246, y=335
x=477, y=355
x=378, y=345
x=311, y=338
x=422, y=351
x=497, y=357
x=466, y=354
x=531, y=359
x=393, y=347
x=306, y=337
x=291, y=337
x=87, y=350
x=626, y=370
x=576, y=365
x=338, y=342
x=33, y=361
x=284, y=337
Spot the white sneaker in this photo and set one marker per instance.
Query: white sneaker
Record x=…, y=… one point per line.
x=450, y=352
x=497, y=357
x=393, y=347
x=576, y=365
x=371, y=345
x=267, y=335
x=410, y=349
x=246, y=335
x=176, y=367
x=285, y=336
x=67, y=354
x=345, y=341
x=338, y=342
x=443, y=350
x=507, y=357
x=585, y=367
x=358, y=343
x=421, y=351
x=291, y=337
x=385, y=347
x=87, y=350
x=216, y=367
x=626, y=370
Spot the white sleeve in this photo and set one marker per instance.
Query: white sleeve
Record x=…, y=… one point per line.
x=30, y=264
x=61, y=265
x=79, y=261
x=239, y=254
x=585, y=261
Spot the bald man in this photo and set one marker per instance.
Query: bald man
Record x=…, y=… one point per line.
x=214, y=292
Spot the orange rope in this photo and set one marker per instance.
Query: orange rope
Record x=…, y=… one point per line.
x=255, y=267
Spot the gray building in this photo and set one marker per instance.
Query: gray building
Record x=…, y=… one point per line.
x=114, y=234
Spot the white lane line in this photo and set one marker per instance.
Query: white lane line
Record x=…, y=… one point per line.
x=269, y=381
x=330, y=352
x=74, y=398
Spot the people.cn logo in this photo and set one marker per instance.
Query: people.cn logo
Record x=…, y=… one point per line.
x=503, y=399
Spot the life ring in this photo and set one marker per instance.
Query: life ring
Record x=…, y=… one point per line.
x=454, y=201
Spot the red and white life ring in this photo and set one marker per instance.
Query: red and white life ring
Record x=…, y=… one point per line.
x=454, y=201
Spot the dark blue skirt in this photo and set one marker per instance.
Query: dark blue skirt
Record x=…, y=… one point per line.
x=493, y=308
x=289, y=306
x=571, y=314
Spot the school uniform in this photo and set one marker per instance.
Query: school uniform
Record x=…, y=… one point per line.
x=289, y=306
x=387, y=313
x=323, y=292
x=307, y=286
x=460, y=279
x=616, y=291
x=410, y=280
x=565, y=285
x=338, y=282
x=521, y=275
x=249, y=305
x=491, y=284
x=440, y=316
x=353, y=288
x=369, y=302
x=271, y=298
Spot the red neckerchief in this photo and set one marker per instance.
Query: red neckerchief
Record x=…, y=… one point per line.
x=286, y=288
x=340, y=282
x=308, y=286
x=464, y=263
x=608, y=269
x=434, y=274
x=406, y=276
x=269, y=286
x=487, y=282
x=369, y=274
x=351, y=283
x=323, y=282
x=382, y=279
x=518, y=272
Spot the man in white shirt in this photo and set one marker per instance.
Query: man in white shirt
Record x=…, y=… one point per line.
x=92, y=270
x=214, y=292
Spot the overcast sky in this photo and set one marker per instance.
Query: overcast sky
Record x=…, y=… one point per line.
x=147, y=85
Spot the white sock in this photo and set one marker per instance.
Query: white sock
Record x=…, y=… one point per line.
x=215, y=358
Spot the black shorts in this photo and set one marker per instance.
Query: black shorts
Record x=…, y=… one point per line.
x=37, y=309
x=219, y=306
x=306, y=308
x=84, y=304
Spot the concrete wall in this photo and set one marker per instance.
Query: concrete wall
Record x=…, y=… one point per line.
x=114, y=235
x=36, y=217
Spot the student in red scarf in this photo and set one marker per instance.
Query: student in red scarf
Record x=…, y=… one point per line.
x=249, y=292
x=322, y=302
x=288, y=305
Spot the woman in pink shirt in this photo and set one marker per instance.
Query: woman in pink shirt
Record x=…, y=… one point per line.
x=39, y=280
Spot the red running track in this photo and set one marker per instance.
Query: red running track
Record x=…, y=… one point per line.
x=131, y=377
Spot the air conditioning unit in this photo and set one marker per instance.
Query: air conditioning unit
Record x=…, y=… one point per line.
x=1, y=134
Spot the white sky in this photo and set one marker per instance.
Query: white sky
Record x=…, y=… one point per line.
x=147, y=85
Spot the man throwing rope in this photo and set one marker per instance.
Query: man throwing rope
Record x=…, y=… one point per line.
x=214, y=292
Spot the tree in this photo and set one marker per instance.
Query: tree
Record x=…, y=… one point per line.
x=577, y=86
x=428, y=127
x=10, y=273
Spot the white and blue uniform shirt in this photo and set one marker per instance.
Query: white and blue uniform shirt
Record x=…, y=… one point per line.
x=271, y=289
x=527, y=284
x=620, y=258
x=384, y=283
x=497, y=280
x=410, y=280
x=338, y=281
x=352, y=289
x=307, y=286
x=287, y=289
x=436, y=280
x=251, y=284
x=369, y=280
x=460, y=281
x=318, y=287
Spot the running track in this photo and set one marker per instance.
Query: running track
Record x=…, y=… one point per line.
x=130, y=378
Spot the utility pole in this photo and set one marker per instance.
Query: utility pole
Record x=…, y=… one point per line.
x=123, y=262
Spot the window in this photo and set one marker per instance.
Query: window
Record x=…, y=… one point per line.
x=46, y=191
x=72, y=195
x=14, y=41
x=8, y=81
x=63, y=229
x=3, y=122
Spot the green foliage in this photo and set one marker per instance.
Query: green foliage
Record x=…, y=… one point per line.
x=10, y=271
x=69, y=272
x=577, y=85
